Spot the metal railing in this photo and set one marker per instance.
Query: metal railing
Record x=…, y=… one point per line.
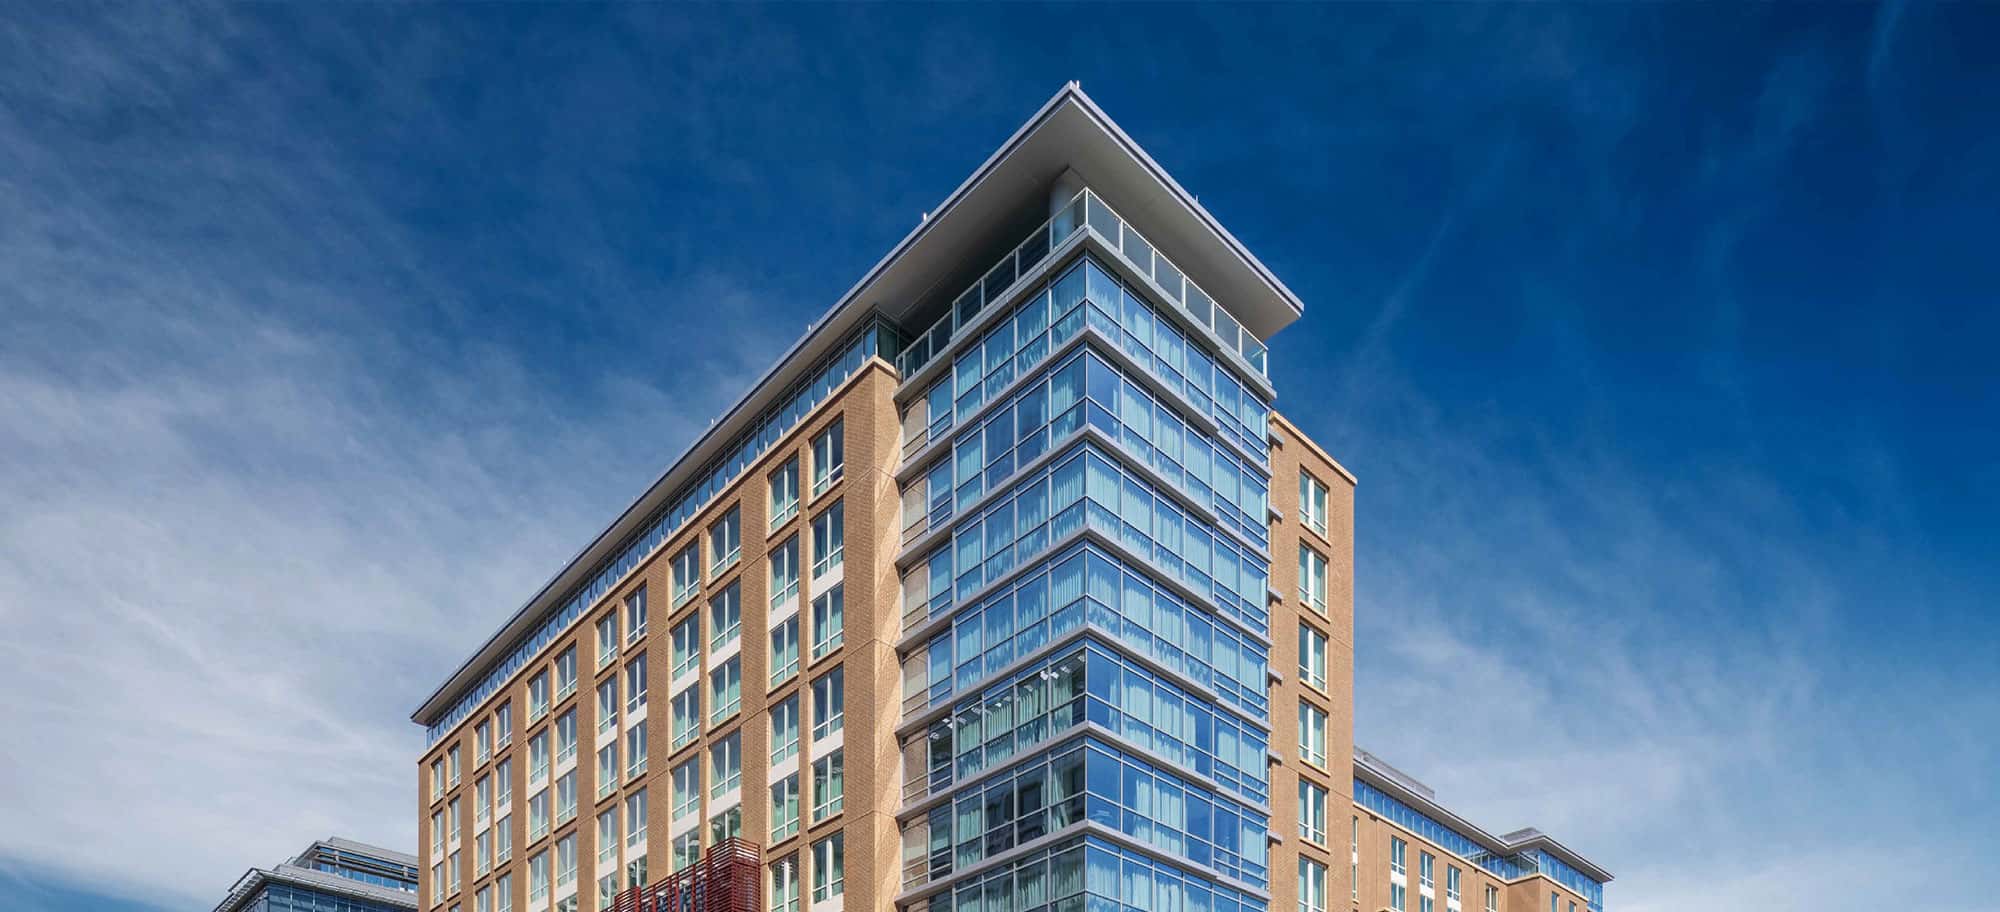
x=1085, y=210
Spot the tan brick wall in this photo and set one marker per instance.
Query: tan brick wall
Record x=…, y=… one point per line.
x=1291, y=454
x=871, y=617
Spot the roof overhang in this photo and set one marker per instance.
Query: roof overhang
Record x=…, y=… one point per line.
x=1069, y=132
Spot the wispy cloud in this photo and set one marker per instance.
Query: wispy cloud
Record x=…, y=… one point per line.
x=326, y=333
x=260, y=480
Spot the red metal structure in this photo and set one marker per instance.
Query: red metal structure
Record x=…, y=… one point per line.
x=728, y=878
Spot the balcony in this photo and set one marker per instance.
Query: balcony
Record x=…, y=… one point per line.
x=1086, y=210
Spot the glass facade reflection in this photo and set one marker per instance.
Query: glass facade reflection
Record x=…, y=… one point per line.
x=1089, y=564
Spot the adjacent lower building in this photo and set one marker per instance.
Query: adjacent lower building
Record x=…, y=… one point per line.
x=1000, y=591
x=331, y=875
x=1398, y=826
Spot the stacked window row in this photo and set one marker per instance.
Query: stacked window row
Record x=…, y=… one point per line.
x=1086, y=488
x=1092, y=684
x=1090, y=875
x=1087, y=294
x=1086, y=583
x=1086, y=389
x=1088, y=780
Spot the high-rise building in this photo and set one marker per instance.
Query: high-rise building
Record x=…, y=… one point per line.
x=1000, y=590
x=331, y=875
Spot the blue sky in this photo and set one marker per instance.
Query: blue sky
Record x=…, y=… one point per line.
x=1658, y=336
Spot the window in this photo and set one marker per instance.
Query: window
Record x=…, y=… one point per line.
x=686, y=715
x=687, y=789
x=437, y=881
x=1312, y=658
x=1451, y=885
x=1312, y=579
x=566, y=798
x=828, y=458
x=566, y=674
x=1426, y=881
x=1354, y=858
x=1492, y=899
x=566, y=738
x=607, y=840
x=503, y=839
x=482, y=901
x=607, y=770
x=538, y=815
x=1552, y=901
x=725, y=617
x=566, y=860
x=785, y=571
x=725, y=765
x=635, y=819
x=829, y=693
x=503, y=893
x=784, y=650
x=1312, y=503
x=538, y=697
x=451, y=756
x=538, y=880
x=635, y=615
x=635, y=750
x=635, y=871
x=726, y=825
x=452, y=818
x=503, y=783
x=828, y=877
x=1312, y=735
x=687, y=574
x=829, y=785
x=437, y=779
x=1312, y=886
x=785, y=885
x=829, y=531
x=482, y=800
x=607, y=639
x=785, y=492
x=687, y=646
x=607, y=705
x=785, y=730
x=437, y=834
x=725, y=541
x=635, y=684
x=503, y=723
x=538, y=756
x=725, y=690
x=827, y=610
x=685, y=850
x=482, y=735
x=785, y=808
x=1312, y=813
x=1398, y=874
